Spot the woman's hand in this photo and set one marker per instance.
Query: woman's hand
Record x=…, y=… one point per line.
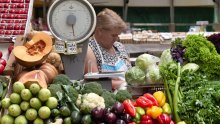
x=118, y=83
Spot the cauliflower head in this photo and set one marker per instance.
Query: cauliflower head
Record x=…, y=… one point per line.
x=87, y=102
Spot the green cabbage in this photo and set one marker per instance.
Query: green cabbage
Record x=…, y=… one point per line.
x=135, y=76
x=153, y=74
x=165, y=58
x=145, y=60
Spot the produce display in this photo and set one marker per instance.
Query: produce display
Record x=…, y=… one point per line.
x=189, y=72
x=28, y=104
x=191, y=79
x=14, y=17
x=145, y=71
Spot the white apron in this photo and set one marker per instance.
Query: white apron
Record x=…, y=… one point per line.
x=120, y=65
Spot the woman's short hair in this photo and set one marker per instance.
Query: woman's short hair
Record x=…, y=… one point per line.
x=108, y=20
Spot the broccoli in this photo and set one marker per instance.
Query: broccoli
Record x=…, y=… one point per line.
x=122, y=95
x=71, y=92
x=54, y=88
x=62, y=79
x=109, y=98
x=92, y=87
x=66, y=95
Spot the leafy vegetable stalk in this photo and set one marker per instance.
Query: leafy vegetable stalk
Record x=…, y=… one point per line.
x=168, y=95
x=175, y=97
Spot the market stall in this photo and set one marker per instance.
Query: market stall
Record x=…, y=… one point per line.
x=174, y=77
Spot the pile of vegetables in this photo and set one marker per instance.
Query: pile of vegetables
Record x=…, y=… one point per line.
x=145, y=71
x=149, y=109
x=28, y=105
x=190, y=72
x=79, y=99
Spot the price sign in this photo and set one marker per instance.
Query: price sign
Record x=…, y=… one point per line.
x=71, y=47
x=60, y=46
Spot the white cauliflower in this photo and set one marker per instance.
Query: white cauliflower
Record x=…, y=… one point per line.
x=89, y=101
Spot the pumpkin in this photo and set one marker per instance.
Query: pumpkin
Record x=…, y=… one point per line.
x=49, y=70
x=35, y=51
x=35, y=76
x=54, y=59
x=21, y=74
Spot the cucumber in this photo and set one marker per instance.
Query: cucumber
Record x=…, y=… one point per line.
x=86, y=119
x=67, y=120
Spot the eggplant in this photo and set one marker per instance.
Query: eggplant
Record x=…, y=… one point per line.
x=126, y=117
x=110, y=118
x=118, y=108
x=119, y=121
x=106, y=110
x=97, y=113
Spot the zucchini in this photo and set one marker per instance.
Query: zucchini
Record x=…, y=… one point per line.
x=76, y=117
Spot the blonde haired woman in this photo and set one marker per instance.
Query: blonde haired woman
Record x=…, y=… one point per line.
x=104, y=52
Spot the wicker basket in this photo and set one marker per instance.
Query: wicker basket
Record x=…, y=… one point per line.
x=139, y=90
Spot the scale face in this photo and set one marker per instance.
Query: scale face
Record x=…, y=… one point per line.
x=71, y=20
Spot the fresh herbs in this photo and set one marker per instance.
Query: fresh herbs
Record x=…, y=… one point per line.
x=199, y=103
x=215, y=39
x=192, y=95
x=202, y=52
x=177, y=51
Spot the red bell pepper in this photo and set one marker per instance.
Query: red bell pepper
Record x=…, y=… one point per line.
x=132, y=123
x=164, y=119
x=129, y=107
x=144, y=102
x=151, y=97
x=171, y=122
x=146, y=119
x=134, y=103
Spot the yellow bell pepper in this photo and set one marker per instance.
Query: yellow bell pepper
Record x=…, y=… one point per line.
x=166, y=108
x=181, y=122
x=154, y=111
x=160, y=97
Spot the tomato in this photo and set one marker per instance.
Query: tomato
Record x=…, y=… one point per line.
x=3, y=62
x=2, y=67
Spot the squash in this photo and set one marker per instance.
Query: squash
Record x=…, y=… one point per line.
x=49, y=70
x=20, y=74
x=35, y=51
x=35, y=76
x=54, y=59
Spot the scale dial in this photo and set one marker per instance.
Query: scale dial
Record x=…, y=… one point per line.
x=71, y=20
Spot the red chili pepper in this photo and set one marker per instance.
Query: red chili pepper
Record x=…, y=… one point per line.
x=146, y=119
x=144, y=102
x=151, y=97
x=164, y=119
x=129, y=107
